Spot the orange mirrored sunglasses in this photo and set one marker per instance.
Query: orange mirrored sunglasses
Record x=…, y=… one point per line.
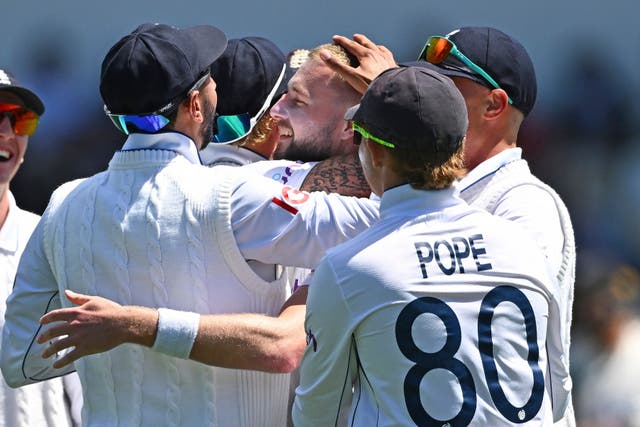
x=23, y=121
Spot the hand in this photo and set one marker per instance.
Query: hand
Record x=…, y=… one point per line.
x=97, y=325
x=373, y=58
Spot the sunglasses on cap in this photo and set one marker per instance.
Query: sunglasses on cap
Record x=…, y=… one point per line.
x=154, y=121
x=359, y=132
x=234, y=127
x=438, y=48
x=23, y=121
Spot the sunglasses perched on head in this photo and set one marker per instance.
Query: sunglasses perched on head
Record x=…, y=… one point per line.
x=154, y=121
x=438, y=48
x=23, y=121
x=359, y=132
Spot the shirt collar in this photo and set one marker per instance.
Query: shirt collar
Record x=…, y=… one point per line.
x=9, y=230
x=172, y=141
x=405, y=199
x=215, y=153
x=489, y=167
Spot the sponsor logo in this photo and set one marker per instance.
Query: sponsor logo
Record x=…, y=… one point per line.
x=294, y=196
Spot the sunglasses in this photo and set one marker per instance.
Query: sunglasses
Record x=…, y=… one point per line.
x=23, y=121
x=154, y=121
x=234, y=127
x=438, y=48
x=359, y=132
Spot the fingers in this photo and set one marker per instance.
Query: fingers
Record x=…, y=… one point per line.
x=351, y=46
x=334, y=64
x=386, y=51
x=53, y=332
x=77, y=299
x=364, y=41
x=67, y=359
x=349, y=74
x=59, y=315
x=56, y=346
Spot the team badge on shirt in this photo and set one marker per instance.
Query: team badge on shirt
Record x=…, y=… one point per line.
x=291, y=196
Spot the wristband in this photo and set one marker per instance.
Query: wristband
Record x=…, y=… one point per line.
x=177, y=332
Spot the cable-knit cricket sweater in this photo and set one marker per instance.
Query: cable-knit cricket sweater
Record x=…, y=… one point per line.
x=158, y=229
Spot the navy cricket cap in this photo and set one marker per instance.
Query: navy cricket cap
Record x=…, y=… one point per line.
x=501, y=56
x=30, y=100
x=152, y=67
x=246, y=74
x=414, y=108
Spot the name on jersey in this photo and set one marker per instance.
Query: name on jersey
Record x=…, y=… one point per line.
x=451, y=255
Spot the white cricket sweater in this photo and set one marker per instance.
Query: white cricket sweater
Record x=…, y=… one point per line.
x=181, y=254
x=155, y=229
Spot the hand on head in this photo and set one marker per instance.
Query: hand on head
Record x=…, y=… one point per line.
x=373, y=59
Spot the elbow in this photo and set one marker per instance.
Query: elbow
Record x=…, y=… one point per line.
x=282, y=360
x=286, y=356
x=283, y=364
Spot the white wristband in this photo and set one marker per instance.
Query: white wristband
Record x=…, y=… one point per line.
x=177, y=332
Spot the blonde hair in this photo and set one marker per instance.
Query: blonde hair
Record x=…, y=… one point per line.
x=423, y=172
x=260, y=131
x=337, y=51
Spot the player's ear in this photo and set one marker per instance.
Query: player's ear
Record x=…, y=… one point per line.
x=346, y=132
x=497, y=103
x=195, y=105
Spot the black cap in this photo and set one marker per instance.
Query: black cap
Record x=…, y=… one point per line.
x=153, y=66
x=414, y=108
x=8, y=83
x=501, y=56
x=246, y=74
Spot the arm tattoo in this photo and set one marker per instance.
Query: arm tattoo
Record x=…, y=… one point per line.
x=341, y=174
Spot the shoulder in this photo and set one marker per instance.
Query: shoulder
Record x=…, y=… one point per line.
x=283, y=171
x=62, y=192
x=521, y=181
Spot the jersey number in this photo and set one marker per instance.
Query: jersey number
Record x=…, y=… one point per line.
x=444, y=358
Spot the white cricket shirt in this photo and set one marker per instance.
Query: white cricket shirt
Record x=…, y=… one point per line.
x=43, y=404
x=439, y=314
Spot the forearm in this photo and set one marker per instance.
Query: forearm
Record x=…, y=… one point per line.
x=236, y=341
x=241, y=341
x=139, y=325
x=255, y=341
x=251, y=341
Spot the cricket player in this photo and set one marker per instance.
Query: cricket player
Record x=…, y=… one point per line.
x=497, y=78
x=158, y=228
x=439, y=314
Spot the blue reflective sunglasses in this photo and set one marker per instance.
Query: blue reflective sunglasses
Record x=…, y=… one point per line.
x=154, y=121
